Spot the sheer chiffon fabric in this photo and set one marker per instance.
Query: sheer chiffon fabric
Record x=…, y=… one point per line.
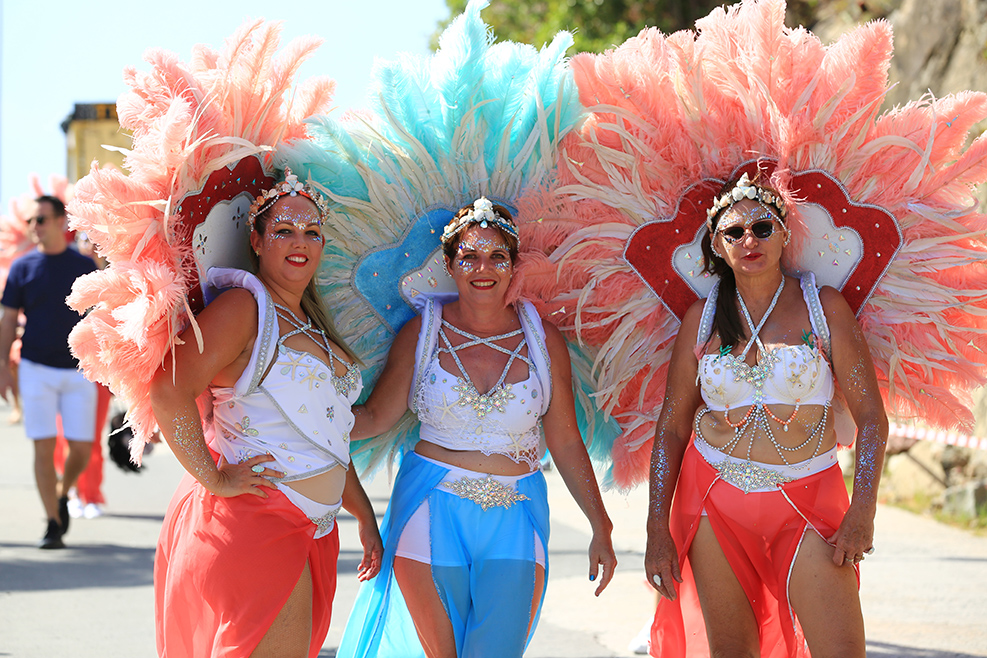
x=224, y=568
x=483, y=566
x=760, y=534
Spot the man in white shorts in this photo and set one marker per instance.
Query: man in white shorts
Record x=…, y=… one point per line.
x=51, y=383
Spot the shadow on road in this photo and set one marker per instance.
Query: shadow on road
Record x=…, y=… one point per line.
x=87, y=566
x=885, y=650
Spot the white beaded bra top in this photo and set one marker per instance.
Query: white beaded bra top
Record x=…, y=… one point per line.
x=794, y=375
x=299, y=411
x=455, y=415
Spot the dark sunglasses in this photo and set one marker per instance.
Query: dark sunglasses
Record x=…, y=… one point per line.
x=39, y=220
x=761, y=230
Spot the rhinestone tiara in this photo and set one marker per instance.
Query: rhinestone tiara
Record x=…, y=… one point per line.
x=745, y=189
x=482, y=213
x=291, y=186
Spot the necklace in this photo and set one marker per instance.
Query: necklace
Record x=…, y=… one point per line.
x=758, y=414
x=344, y=384
x=496, y=398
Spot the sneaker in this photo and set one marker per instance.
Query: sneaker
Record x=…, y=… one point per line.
x=641, y=644
x=53, y=536
x=75, y=508
x=63, y=513
x=92, y=510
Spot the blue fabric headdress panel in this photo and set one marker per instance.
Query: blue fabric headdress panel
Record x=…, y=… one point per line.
x=379, y=270
x=406, y=262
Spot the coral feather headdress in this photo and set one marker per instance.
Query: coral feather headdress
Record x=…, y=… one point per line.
x=882, y=206
x=200, y=134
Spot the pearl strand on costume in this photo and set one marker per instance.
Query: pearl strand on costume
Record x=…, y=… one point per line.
x=758, y=413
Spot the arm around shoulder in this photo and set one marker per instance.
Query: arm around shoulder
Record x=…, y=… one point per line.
x=389, y=399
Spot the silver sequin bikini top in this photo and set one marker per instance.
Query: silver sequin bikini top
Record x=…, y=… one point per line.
x=506, y=420
x=790, y=374
x=451, y=418
x=299, y=412
x=798, y=375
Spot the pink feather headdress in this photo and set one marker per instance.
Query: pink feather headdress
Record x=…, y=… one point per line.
x=674, y=116
x=195, y=127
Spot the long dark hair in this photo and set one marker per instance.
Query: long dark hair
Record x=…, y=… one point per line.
x=726, y=319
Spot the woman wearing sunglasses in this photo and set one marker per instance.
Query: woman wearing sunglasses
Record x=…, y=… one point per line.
x=761, y=539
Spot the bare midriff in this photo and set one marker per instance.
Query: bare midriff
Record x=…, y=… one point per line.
x=325, y=488
x=472, y=460
x=719, y=434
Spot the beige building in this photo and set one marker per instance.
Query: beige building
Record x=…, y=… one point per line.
x=87, y=129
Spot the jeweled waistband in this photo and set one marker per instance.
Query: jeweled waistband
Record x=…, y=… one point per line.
x=322, y=515
x=485, y=489
x=753, y=476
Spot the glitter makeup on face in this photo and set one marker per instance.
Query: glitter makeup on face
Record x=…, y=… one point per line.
x=481, y=245
x=300, y=220
x=744, y=216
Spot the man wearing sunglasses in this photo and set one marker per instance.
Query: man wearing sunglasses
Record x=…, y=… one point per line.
x=51, y=383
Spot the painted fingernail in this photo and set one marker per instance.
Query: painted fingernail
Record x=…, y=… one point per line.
x=592, y=576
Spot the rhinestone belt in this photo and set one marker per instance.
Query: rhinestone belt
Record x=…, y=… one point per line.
x=749, y=476
x=324, y=522
x=485, y=492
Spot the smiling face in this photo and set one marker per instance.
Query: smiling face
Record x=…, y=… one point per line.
x=482, y=262
x=750, y=237
x=289, y=249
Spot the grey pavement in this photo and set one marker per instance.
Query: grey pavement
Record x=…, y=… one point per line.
x=924, y=591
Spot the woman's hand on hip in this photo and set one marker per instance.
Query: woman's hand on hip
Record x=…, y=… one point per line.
x=247, y=477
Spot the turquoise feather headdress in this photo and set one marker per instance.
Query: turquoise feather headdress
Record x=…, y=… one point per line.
x=474, y=119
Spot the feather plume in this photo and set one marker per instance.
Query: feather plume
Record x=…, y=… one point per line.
x=669, y=111
x=188, y=120
x=476, y=118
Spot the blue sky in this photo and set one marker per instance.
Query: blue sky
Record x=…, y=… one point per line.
x=61, y=52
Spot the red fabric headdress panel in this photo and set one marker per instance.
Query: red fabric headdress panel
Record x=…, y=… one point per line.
x=224, y=184
x=651, y=249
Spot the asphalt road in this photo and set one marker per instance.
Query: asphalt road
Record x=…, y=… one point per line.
x=924, y=591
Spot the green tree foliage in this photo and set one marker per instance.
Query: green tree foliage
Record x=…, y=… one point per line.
x=598, y=25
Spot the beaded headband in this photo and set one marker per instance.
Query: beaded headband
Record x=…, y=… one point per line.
x=290, y=187
x=483, y=213
x=744, y=189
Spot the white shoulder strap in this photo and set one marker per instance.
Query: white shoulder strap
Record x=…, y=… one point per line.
x=534, y=334
x=428, y=339
x=265, y=345
x=810, y=293
x=709, y=310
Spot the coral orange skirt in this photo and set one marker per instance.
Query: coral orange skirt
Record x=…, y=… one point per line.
x=224, y=568
x=760, y=534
